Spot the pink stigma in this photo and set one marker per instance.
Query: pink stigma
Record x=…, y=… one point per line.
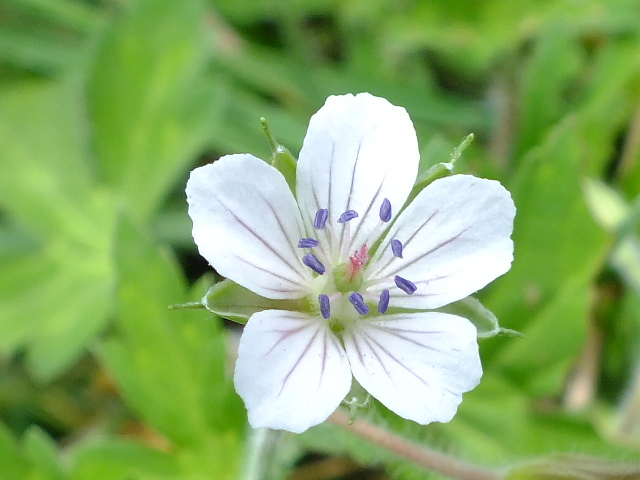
x=357, y=261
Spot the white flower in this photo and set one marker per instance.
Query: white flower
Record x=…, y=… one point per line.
x=344, y=246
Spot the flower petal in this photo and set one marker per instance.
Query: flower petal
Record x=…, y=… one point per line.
x=358, y=151
x=292, y=372
x=246, y=224
x=417, y=364
x=456, y=238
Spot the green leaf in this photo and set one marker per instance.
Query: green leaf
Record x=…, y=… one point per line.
x=11, y=462
x=549, y=250
x=42, y=144
x=574, y=467
x=553, y=338
x=34, y=458
x=556, y=60
x=610, y=91
x=74, y=14
x=614, y=215
x=229, y=300
x=606, y=205
x=56, y=290
x=118, y=459
x=160, y=351
x=150, y=109
x=35, y=51
x=41, y=450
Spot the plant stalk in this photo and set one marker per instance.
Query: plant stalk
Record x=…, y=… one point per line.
x=429, y=459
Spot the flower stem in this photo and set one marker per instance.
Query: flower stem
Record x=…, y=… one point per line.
x=418, y=454
x=260, y=448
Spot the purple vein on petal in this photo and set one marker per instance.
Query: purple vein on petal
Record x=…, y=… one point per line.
x=357, y=347
x=270, y=272
x=348, y=206
x=284, y=334
x=365, y=338
x=353, y=175
x=303, y=354
x=406, y=241
x=289, y=241
x=397, y=333
x=394, y=358
x=401, y=294
x=329, y=197
x=328, y=242
x=434, y=249
x=354, y=234
x=255, y=235
x=324, y=357
x=420, y=293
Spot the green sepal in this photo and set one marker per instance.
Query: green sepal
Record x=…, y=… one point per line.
x=484, y=320
x=229, y=300
x=281, y=158
x=440, y=170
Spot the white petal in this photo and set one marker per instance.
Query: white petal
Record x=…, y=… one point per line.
x=456, y=237
x=418, y=364
x=246, y=224
x=358, y=151
x=292, y=372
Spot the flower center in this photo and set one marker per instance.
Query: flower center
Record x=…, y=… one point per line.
x=343, y=296
x=348, y=276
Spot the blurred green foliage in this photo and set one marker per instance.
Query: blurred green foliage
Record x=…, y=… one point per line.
x=105, y=105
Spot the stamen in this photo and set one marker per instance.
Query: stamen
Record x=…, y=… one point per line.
x=308, y=243
x=358, y=302
x=348, y=215
x=325, y=306
x=383, y=303
x=396, y=247
x=320, y=221
x=346, y=233
x=385, y=210
x=311, y=261
x=405, y=285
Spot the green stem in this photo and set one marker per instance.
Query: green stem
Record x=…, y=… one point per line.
x=186, y=306
x=420, y=455
x=254, y=462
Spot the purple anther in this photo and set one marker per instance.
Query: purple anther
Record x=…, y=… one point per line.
x=311, y=261
x=396, y=247
x=348, y=215
x=405, y=285
x=358, y=302
x=320, y=221
x=383, y=303
x=308, y=243
x=325, y=306
x=385, y=210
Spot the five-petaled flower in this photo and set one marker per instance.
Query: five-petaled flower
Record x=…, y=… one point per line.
x=370, y=270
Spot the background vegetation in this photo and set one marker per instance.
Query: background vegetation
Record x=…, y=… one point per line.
x=105, y=105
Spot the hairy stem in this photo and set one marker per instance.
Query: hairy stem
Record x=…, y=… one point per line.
x=429, y=459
